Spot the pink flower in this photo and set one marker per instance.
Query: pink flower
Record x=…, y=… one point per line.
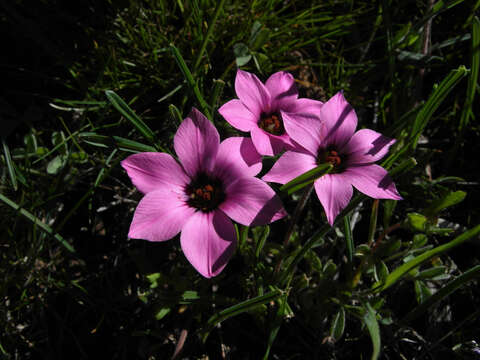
x=213, y=183
x=260, y=109
x=330, y=137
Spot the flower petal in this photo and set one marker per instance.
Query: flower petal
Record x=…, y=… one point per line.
x=266, y=144
x=334, y=193
x=289, y=166
x=237, y=115
x=306, y=106
x=253, y=94
x=150, y=171
x=367, y=146
x=340, y=121
x=160, y=215
x=208, y=241
x=196, y=143
x=282, y=89
x=305, y=129
x=251, y=202
x=237, y=157
x=373, y=181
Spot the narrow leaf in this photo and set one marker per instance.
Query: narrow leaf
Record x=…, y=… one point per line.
x=348, y=238
x=399, y=272
x=240, y=308
x=307, y=178
x=38, y=222
x=190, y=81
x=441, y=294
x=338, y=324
x=175, y=113
x=434, y=101
x=450, y=199
x=130, y=115
x=370, y=320
x=114, y=141
x=467, y=112
x=11, y=169
x=275, y=325
x=208, y=36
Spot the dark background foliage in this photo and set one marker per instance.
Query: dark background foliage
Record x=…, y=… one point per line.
x=120, y=298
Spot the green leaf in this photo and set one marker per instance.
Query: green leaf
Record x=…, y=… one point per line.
x=10, y=167
x=373, y=222
x=219, y=84
x=261, y=240
x=240, y=308
x=175, y=113
x=79, y=156
x=258, y=35
x=208, y=36
x=421, y=291
x=388, y=209
x=431, y=273
x=441, y=294
x=130, y=115
x=242, y=54
x=191, y=81
x=115, y=141
x=306, y=179
x=38, y=222
x=449, y=199
x=153, y=278
x=380, y=271
x=56, y=164
x=348, y=238
x=417, y=221
x=330, y=268
x=30, y=142
x=275, y=325
x=434, y=101
x=370, y=320
x=160, y=314
x=399, y=272
x=419, y=240
x=338, y=324
x=59, y=141
x=467, y=112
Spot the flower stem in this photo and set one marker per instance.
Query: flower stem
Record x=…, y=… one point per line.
x=296, y=214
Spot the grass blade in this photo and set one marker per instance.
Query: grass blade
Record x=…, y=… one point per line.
x=10, y=167
x=190, y=81
x=175, y=113
x=370, y=320
x=399, y=272
x=240, y=308
x=445, y=291
x=130, y=115
x=373, y=222
x=307, y=178
x=434, y=101
x=38, y=222
x=338, y=325
x=208, y=35
x=348, y=238
x=279, y=315
x=217, y=92
x=467, y=112
x=115, y=141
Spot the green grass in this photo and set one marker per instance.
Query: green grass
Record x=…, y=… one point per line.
x=86, y=87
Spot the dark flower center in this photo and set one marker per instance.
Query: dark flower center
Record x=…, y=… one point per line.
x=205, y=193
x=272, y=123
x=331, y=155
